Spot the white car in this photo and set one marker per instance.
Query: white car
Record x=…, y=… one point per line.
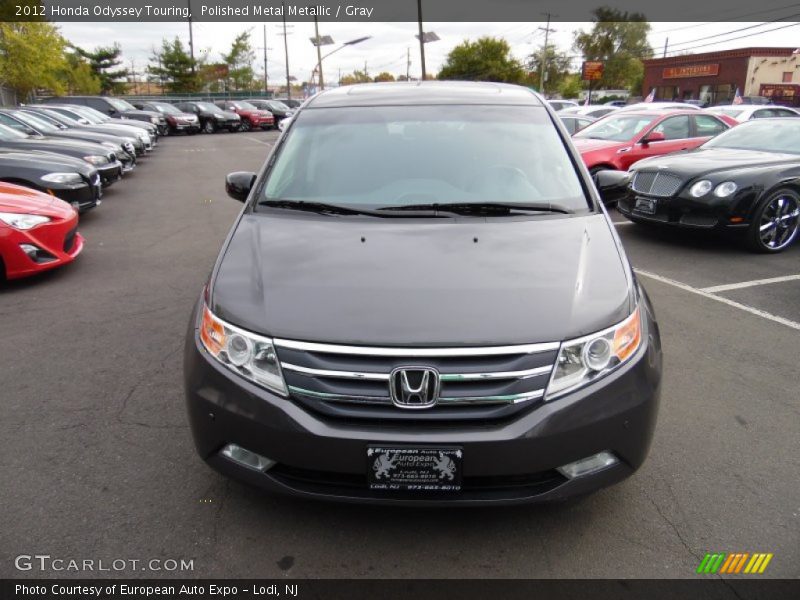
x=559, y=105
x=660, y=106
x=745, y=112
x=593, y=110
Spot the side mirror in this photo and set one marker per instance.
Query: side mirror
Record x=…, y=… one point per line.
x=653, y=136
x=239, y=183
x=612, y=185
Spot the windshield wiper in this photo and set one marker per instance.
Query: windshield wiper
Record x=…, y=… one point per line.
x=334, y=209
x=482, y=208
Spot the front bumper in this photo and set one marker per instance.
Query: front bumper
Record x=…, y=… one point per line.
x=82, y=197
x=677, y=211
x=507, y=461
x=110, y=173
x=60, y=240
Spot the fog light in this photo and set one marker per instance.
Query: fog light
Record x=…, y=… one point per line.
x=246, y=458
x=36, y=254
x=588, y=465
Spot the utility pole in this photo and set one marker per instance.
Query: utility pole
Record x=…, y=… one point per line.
x=543, y=63
x=408, y=63
x=191, y=35
x=366, y=73
x=266, y=75
x=319, y=54
x=421, y=38
x=666, y=43
x=286, y=51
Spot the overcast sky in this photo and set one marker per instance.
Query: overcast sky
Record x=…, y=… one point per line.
x=388, y=46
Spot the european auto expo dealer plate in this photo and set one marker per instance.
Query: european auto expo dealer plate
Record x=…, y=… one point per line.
x=429, y=469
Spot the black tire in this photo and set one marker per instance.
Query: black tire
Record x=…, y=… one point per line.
x=776, y=222
x=246, y=125
x=209, y=126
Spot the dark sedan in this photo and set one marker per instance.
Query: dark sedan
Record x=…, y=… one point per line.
x=212, y=118
x=100, y=157
x=747, y=179
x=279, y=110
x=70, y=179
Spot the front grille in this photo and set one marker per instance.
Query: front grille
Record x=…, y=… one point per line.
x=353, y=381
x=112, y=158
x=656, y=183
x=69, y=240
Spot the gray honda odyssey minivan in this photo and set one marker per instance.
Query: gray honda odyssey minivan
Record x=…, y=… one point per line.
x=423, y=302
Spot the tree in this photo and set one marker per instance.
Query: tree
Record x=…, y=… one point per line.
x=103, y=61
x=487, y=59
x=173, y=67
x=384, y=77
x=558, y=67
x=355, y=77
x=619, y=39
x=570, y=86
x=78, y=76
x=31, y=57
x=239, y=61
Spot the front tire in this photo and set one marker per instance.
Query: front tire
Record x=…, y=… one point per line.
x=776, y=222
x=209, y=127
x=246, y=126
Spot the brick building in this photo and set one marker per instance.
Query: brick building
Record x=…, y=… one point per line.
x=714, y=76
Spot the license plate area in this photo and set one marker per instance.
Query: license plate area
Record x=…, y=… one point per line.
x=414, y=469
x=646, y=206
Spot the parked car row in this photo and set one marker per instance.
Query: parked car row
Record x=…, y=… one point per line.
x=56, y=161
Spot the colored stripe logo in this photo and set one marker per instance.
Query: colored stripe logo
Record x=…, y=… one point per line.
x=734, y=563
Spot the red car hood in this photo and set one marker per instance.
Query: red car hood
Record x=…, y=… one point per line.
x=18, y=199
x=589, y=145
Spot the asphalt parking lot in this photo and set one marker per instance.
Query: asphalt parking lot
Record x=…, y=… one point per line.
x=97, y=461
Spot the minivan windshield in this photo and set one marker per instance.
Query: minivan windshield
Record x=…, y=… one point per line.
x=398, y=156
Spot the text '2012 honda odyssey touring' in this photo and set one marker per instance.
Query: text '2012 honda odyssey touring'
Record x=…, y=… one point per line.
x=423, y=302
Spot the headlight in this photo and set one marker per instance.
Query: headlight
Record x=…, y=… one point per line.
x=250, y=355
x=725, y=189
x=588, y=358
x=71, y=178
x=219, y=117
x=21, y=221
x=154, y=120
x=96, y=159
x=701, y=188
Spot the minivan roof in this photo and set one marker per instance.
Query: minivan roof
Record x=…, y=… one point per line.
x=427, y=92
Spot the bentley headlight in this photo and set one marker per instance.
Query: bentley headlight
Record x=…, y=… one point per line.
x=725, y=189
x=65, y=178
x=701, y=188
x=248, y=354
x=588, y=358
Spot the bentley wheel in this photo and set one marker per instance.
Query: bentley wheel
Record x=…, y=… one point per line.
x=776, y=222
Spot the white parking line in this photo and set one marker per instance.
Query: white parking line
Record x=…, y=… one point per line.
x=260, y=142
x=683, y=286
x=746, y=284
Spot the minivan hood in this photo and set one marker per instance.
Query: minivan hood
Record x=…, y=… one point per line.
x=401, y=282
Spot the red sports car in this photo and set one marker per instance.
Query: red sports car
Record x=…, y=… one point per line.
x=38, y=232
x=252, y=117
x=622, y=138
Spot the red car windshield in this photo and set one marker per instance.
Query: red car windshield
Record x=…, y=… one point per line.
x=622, y=128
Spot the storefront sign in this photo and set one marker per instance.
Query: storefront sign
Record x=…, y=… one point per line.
x=709, y=70
x=592, y=70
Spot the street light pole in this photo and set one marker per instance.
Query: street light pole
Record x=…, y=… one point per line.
x=191, y=35
x=266, y=74
x=319, y=54
x=286, y=50
x=421, y=38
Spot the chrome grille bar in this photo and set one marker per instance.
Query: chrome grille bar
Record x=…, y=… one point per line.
x=430, y=352
x=443, y=376
x=453, y=401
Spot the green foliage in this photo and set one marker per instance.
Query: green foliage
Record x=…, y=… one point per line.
x=239, y=61
x=558, y=67
x=172, y=66
x=31, y=57
x=384, y=77
x=355, y=77
x=103, y=62
x=78, y=76
x=487, y=59
x=570, y=86
x=619, y=39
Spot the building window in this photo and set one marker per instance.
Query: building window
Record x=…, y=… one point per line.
x=667, y=92
x=787, y=76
